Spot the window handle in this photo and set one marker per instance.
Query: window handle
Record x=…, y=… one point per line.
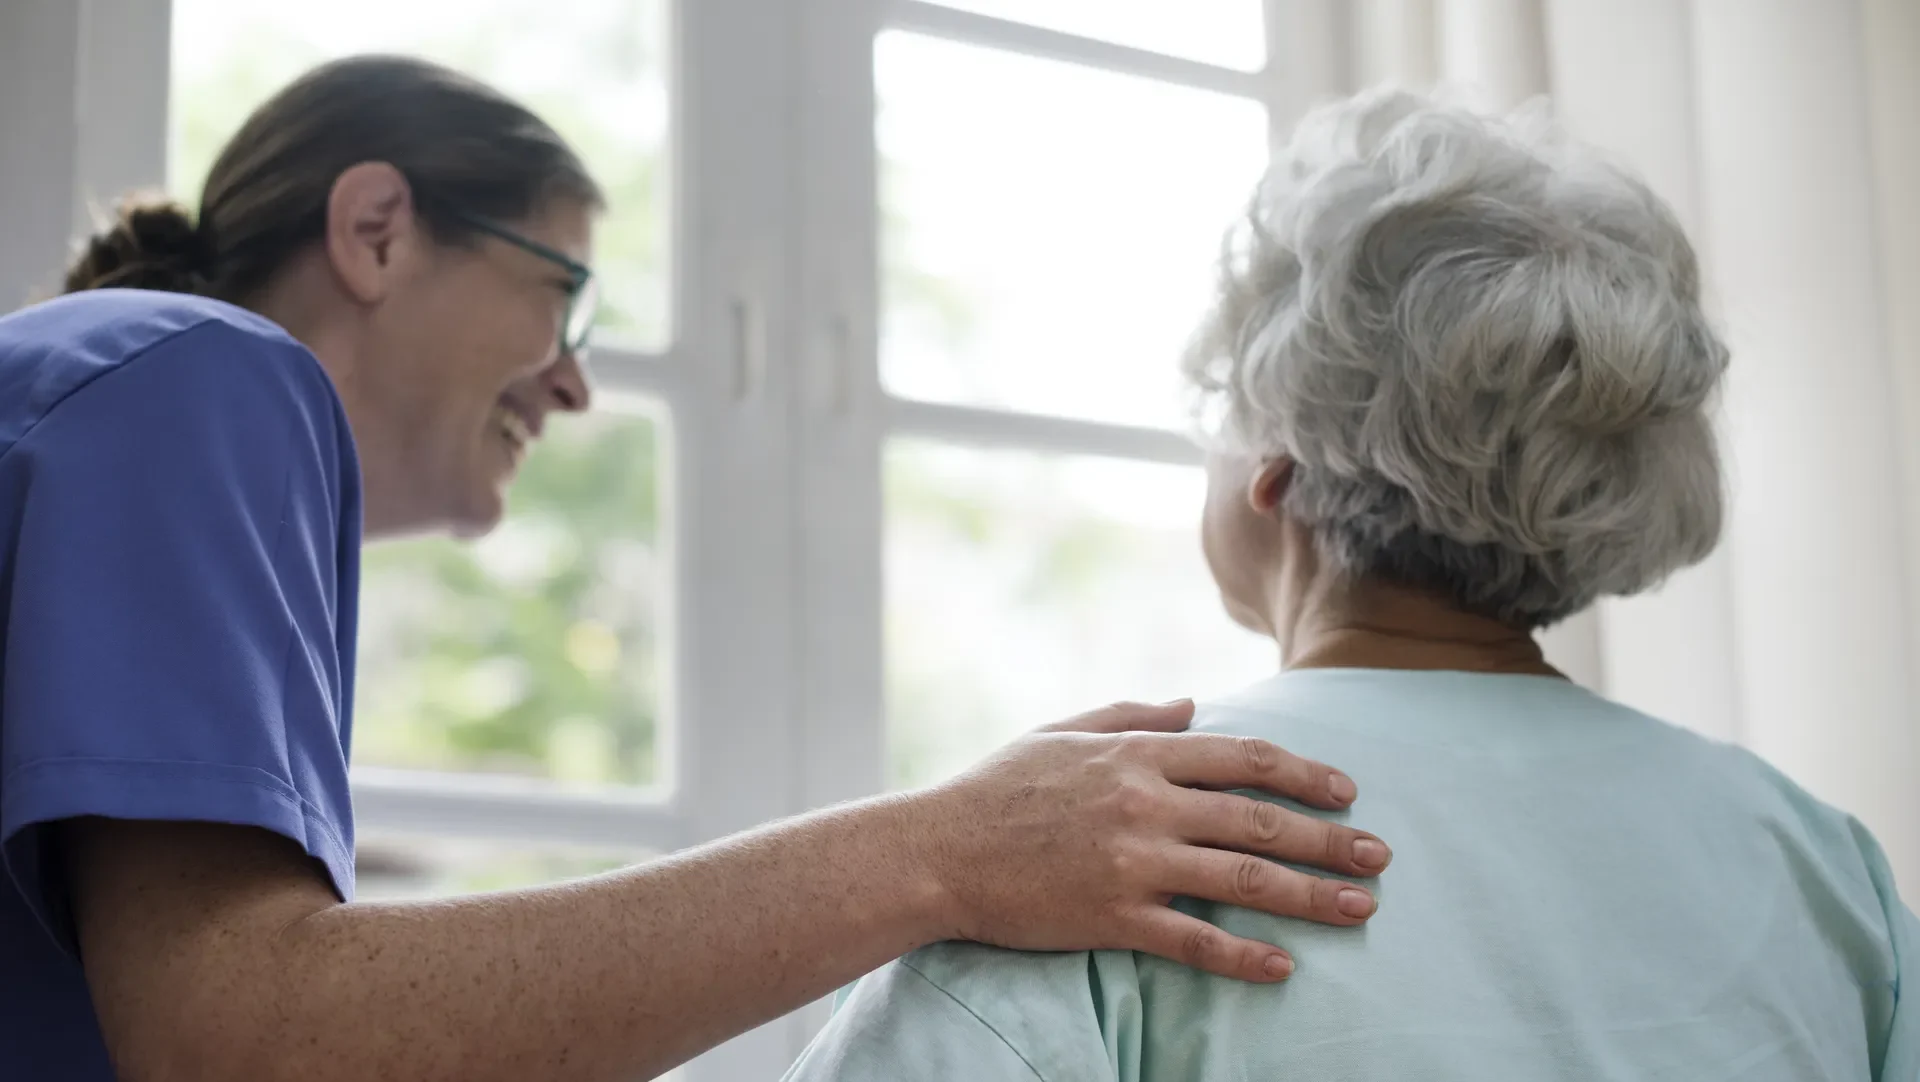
x=840, y=366
x=748, y=347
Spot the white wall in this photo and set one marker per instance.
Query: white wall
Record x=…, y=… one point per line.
x=38, y=114
x=1820, y=555
x=59, y=60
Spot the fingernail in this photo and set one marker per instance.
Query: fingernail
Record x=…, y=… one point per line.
x=1175, y=702
x=1354, y=903
x=1341, y=787
x=1279, y=966
x=1368, y=853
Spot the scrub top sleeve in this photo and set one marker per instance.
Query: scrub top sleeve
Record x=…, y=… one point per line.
x=179, y=613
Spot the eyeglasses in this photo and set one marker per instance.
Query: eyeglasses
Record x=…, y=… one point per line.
x=583, y=296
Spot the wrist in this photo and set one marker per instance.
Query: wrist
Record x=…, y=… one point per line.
x=911, y=830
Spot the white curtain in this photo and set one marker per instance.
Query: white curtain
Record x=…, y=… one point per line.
x=1787, y=135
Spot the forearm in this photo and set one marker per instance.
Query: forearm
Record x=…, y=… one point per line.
x=619, y=976
x=623, y=975
x=218, y=952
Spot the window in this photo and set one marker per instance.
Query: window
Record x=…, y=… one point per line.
x=891, y=466
x=534, y=651
x=1061, y=567
x=595, y=69
x=400, y=867
x=1113, y=189
x=1025, y=586
x=1223, y=32
x=543, y=651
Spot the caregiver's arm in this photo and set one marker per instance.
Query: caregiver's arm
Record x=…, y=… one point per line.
x=218, y=952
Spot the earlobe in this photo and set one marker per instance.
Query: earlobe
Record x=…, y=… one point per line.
x=1269, y=485
x=369, y=217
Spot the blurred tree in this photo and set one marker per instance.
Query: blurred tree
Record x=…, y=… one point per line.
x=536, y=650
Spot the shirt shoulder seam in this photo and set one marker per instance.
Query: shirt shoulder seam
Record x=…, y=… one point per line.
x=136, y=355
x=989, y=1026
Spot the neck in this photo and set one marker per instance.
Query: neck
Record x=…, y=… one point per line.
x=291, y=301
x=1372, y=625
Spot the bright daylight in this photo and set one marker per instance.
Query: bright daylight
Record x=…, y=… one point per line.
x=960, y=540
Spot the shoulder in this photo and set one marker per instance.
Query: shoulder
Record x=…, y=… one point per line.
x=1046, y=1007
x=119, y=355
x=955, y=1012
x=1846, y=846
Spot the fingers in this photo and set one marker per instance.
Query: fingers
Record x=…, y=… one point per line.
x=1170, y=717
x=1218, y=761
x=1180, y=938
x=1255, y=826
x=1257, y=883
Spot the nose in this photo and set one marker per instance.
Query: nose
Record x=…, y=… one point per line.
x=565, y=383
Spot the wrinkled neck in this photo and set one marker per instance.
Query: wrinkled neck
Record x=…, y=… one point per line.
x=1322, y=621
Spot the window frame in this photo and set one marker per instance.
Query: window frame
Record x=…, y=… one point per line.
x=770, y=383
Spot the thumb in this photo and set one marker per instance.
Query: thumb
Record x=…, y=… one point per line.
x=1170, y=717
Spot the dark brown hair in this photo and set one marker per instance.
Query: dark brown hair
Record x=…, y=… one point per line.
x=459, y=143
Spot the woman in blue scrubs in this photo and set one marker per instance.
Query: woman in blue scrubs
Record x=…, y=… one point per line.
x=378, y=307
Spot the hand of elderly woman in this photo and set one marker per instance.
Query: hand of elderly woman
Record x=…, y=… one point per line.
x=1078, y=836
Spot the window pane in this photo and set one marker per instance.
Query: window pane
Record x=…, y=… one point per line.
x=1022, y=588
x=406, y=867
x=1050, y=231
x=1229, y=33
x=592, y=68
x=536, y=649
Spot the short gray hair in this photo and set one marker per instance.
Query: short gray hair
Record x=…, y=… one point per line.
x=1484, y=349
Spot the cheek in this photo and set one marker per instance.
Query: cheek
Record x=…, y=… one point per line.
x=1216, y=537
x=493, y=332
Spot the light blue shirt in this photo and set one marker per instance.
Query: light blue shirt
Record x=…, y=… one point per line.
x=1578, y=892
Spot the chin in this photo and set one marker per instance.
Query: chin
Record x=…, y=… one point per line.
x=479, y=514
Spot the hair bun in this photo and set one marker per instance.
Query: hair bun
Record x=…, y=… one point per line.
x=152, y=244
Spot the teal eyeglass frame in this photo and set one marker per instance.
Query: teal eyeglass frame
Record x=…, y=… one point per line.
x=583, y=296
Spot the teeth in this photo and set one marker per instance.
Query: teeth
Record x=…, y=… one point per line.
x=515, y=428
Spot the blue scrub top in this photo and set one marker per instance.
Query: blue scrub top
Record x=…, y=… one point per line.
x=179, y=562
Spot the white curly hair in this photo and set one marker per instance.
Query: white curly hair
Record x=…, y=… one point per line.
x=1483, y=347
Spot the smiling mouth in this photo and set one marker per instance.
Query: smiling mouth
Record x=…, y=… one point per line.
x=514, y=427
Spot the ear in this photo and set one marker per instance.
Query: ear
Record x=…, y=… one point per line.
x=371, y=229
x=1269, y=485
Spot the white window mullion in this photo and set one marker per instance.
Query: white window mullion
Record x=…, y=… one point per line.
x=122, y=106
x=839, y=422
x=670, y=377
x=442, y=803
x=985, y=30
x=1005, y=429
x=734, y=480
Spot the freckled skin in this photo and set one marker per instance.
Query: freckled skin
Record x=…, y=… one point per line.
x=218, y=952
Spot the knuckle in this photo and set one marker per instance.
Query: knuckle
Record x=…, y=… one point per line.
x=1126, y=863
x=1336, y=846
x=1251, y=878
x=1257, y=755
x=1135, y=803
x=1200, y=945
x=1323, y=895
x=1265, y=822
x=1137, y=747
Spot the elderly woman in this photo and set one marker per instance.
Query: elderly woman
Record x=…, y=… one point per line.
x=1458, y=381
